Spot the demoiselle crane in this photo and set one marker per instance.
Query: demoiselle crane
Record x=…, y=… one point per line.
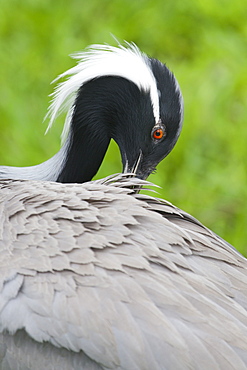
x=97, y=276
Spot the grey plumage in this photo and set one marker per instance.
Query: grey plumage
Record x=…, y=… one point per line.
x=110, y=279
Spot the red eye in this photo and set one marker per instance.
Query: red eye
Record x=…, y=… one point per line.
x=158, y=133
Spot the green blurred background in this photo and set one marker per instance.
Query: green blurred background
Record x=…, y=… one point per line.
x=203, y=43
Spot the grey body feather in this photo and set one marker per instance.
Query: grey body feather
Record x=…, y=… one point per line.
x=94, y=276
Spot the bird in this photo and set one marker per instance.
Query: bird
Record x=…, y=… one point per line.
x=95, y=274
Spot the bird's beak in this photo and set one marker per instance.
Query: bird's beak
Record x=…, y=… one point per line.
x=135, y=167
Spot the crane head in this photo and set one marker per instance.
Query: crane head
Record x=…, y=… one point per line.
x=119, y=93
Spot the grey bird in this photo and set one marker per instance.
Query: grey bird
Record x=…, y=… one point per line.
x=98, y=276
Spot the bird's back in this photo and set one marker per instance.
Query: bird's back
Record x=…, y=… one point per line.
x=115, y=280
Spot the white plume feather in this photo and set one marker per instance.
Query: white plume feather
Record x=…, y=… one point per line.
x=97, y=61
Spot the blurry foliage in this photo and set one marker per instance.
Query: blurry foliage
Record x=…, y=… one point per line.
x=203, y=42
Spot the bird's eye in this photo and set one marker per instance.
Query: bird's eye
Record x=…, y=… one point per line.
x=158, y=133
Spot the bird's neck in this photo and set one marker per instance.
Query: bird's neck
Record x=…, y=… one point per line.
x=101, y=111
x=85, y=152
x=90, y=131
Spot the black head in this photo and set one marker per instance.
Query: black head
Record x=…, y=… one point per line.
x=145, y=139
x=124, y=95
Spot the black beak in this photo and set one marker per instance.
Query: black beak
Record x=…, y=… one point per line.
x=136, y=167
